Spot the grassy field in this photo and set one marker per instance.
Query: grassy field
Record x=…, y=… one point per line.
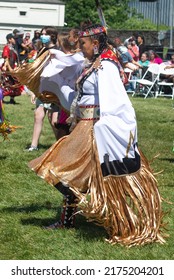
x=27, y=202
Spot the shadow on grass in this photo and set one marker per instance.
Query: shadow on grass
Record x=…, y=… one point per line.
x=38, y=222
x=3, y=157
x=8, y=102
x=28, y=209
x=44, y=147
x=89, y=230
x=84, y=229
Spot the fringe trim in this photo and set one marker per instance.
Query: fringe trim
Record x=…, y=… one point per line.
x=128, y=207
x=29, y=73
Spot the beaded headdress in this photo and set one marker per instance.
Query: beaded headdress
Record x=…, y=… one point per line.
x=92, y=31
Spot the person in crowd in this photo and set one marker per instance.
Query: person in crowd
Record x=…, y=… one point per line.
x=141, y=45
x=168, y=78
x=64, y=44
x=126, y=59
x=68, y=65
x=10, y=85
x=133, y=49
x=144, y=60
x=43, y=109
x=144, y=63
x=28, y=43
x=154, y=57
x=20, y=45
x=74, y=40
x=170, y=63
x=36, y=39
x=98, y=166
x=68, y=44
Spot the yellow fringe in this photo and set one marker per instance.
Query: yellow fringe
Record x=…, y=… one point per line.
x=29, y=73
x=128, y=207
x=6, y=129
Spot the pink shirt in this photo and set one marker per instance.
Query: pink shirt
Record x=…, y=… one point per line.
x=157, y=60
x=134, y=52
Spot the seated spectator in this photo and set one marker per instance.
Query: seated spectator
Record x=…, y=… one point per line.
x=170, y=63
x=144, y=60
x=154, y=57
x=144, y=63
x=126, y=58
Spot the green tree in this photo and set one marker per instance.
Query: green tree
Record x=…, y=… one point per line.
x=115, y=12
x=118, y=14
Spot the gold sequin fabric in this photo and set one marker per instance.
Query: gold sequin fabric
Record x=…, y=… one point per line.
x=127, y=206
x=29, y=73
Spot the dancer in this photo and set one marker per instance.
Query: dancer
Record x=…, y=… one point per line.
x=98, y=165
x=10, y=86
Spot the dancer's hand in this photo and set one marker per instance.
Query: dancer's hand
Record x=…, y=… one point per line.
x=33, y=98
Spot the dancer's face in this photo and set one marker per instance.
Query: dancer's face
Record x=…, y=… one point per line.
x=87, y=46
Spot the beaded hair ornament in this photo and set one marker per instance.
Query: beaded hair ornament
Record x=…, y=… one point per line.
x=92, y=31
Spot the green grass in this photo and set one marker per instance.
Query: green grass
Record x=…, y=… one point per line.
x=27, y=202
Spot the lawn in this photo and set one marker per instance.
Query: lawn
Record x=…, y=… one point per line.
x=27, y=202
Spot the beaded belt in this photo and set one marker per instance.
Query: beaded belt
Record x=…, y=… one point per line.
x=90, y=112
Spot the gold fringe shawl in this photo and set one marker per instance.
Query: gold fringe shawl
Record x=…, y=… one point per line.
x=29, y=73
x=128, y=207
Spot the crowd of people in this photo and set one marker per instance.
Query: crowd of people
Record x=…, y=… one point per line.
x=137, y=57
x=15, y=52
x=77, y=77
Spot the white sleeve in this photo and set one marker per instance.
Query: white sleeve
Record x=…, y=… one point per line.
x=112, y=93
x=67, y=96
x=56, y=85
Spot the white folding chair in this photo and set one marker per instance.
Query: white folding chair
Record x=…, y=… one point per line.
x=131, y=82
x=146, y=86
x=133, y=75
x=162, y=84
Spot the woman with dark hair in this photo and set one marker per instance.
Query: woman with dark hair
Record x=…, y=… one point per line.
x=98, y=166
x=154, y=57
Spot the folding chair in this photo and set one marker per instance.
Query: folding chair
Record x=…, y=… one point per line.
x=163, y=84
x=146, y=86
x=130, y=87
x=132, y=78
